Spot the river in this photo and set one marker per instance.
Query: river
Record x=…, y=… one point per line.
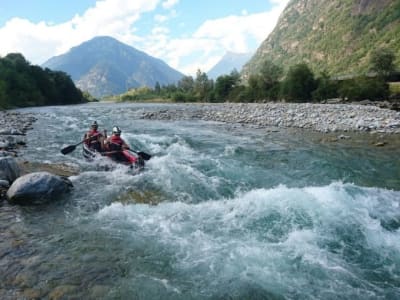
x=221, y=211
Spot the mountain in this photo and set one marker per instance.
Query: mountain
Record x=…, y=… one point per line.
x=336, y=36
x=104, y=66
x=228, y=63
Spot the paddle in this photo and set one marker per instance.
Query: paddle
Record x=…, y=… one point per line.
x=71, y=148
x=143, y=155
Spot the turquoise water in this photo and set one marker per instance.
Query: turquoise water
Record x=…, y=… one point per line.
x=221, y=212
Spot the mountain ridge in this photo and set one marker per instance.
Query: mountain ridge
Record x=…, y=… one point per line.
x=117, y=66
x=229, y=62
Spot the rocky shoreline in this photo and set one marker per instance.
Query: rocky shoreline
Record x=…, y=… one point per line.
x=14, y=126
x=317, y=117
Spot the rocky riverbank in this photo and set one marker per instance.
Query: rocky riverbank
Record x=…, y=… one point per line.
x=13, y=128
x=317, y=117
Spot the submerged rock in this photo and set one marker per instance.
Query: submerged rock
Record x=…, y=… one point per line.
x=37, y=188
x=4, y=184
x=9, y=169
x=60, y=169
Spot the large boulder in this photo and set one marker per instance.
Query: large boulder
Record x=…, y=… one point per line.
x=38, y=188
x=9, y=169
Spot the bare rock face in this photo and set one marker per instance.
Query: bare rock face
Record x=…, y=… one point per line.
x=37, y=188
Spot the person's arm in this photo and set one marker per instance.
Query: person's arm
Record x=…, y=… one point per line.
x=125, y=146
x=106, y=144
x=101, y=141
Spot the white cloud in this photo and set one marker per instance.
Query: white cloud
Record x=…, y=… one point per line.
x=234, y=31
x=237, y=33
x=118, y=18
x=160, y=18
x=40, y=41
x=170, y=3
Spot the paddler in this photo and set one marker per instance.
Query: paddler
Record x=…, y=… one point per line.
x=115, y=144
x=95, y=139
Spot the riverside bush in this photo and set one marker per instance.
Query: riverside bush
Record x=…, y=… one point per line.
x=363, y=88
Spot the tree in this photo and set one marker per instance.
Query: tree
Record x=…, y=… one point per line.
x=3, y=95
x=326, y=88
x=157, y=88
x=299, y=83
x=363, y=87
x=382, y=62
x=225, y=84
x=22, y=84
x=186, y=84
x=202, y=86
x=270, y=73
x=255, y=89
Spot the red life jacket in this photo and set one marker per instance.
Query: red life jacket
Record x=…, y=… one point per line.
x=124, y=156
x=92, y=133
x=115, y=139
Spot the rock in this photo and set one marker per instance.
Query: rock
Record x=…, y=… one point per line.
x=9, y=169
x=7, y=153
x=380, y=144
x=31, y=293
x=37, y=188
x=4, y=184
x=62, y=170
x=62, y=291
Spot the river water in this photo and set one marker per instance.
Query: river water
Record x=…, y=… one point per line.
x=221, y=211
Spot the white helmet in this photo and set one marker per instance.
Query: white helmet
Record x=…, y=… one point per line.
x=116, y=130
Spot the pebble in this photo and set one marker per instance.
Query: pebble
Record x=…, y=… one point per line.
x=318, y=117
x=13, y=129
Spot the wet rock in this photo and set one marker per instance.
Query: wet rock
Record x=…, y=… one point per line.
x=37, y=188
x=99, y=291
x=31, y=293
x=380, y=144
x=64, y=170
x=11, y=132
x=4, y=184
x=9, y=169
x=343, y=137
x=62, y=292
x=4, y=153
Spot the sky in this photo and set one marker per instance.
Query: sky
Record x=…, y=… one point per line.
x=188, y=35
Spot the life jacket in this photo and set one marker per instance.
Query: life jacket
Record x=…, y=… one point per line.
x=116, y=139
x=92, y=133
x=116, y=143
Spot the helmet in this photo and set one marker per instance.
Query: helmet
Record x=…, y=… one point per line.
x=94, y=124
x=116, y=130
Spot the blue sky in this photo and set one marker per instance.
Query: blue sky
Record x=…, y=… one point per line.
x=188, y=35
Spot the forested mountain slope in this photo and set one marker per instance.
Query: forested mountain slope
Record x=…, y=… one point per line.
x=336, y=36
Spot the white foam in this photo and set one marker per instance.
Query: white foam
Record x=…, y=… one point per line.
x=261, y=232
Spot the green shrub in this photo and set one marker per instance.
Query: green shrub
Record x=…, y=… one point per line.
x=298, y=84
x=364, y=88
